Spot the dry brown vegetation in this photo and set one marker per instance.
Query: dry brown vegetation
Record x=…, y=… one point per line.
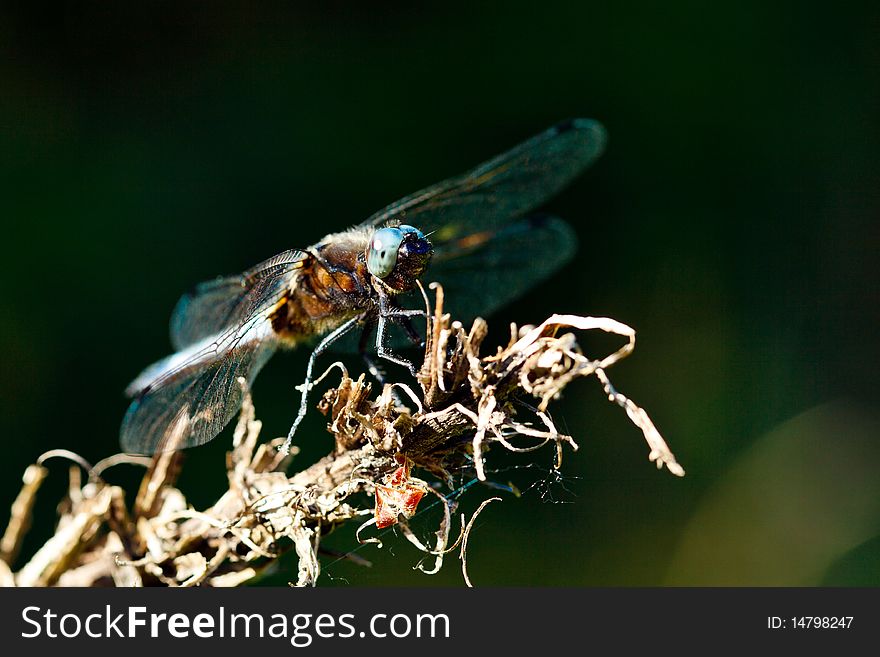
x=463, y=404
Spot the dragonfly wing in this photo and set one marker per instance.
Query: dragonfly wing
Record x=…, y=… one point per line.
x=214, y=306
x=187, y=399
x=505, y=187
x=222, y=331
x=484, y=271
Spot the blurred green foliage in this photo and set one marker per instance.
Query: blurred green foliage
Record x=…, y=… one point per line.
x=733, y=221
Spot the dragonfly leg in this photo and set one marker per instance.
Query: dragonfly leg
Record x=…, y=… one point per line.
x=372, y=366
x=307, y=385
x=388, y=311
x=404, y=318
x=411, y=333
x=384, y=352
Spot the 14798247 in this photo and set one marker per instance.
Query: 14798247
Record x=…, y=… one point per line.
x=809, y=622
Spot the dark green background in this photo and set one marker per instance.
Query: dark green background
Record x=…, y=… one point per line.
x=732, y=222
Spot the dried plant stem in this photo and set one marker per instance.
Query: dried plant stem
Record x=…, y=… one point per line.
x=465, y=404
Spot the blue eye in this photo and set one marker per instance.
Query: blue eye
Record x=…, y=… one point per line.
x=382, y=254
x=410, y=230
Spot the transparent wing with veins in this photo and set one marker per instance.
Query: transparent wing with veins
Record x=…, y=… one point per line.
x=493, y=268
x=501, y=189
x=216, y=305
x=489, y=246
x=223, y=332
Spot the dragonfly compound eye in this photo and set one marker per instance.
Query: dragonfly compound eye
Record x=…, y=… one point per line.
x=415, y=251
x=382, y=254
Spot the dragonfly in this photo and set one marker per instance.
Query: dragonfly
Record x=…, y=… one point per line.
x=480, y=234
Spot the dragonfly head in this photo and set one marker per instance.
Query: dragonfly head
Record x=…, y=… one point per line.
x=398, y=255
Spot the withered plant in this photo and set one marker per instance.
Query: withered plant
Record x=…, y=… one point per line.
x=390, y=451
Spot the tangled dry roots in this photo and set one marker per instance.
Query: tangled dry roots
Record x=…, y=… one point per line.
x=465, y=404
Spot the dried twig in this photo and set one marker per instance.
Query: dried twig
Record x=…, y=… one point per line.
x=465, y=404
